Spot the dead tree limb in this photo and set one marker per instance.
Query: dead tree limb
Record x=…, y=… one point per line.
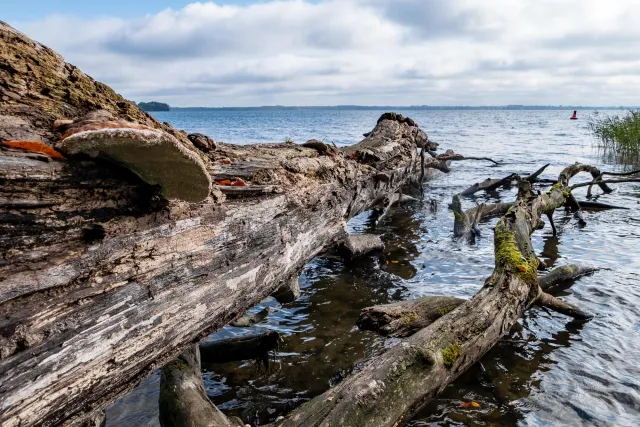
x=405, y=318
x=465, y=223
x=458, y=157
x=534, y=176
x=603, y=183
x=489, y=185
x=555, y=304
x=390, y=389
x=589, y=205
x=183, y=401
x=550, y=281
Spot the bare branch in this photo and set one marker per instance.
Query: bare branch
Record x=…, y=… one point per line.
x=604, y=182
x=553, y=303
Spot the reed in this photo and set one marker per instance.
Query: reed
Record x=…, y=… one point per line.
x=618, y=135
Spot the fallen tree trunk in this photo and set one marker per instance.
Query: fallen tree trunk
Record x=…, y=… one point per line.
x=102, y=280
x=390, y=389
x=183, y=401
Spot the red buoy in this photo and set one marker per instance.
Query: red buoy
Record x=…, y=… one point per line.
x=575, y=115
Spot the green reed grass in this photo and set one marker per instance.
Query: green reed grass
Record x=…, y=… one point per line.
x=618, y=135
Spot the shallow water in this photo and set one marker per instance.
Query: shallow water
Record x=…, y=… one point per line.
x=547, y=371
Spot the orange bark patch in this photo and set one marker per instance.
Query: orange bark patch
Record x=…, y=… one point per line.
x=235, y=183
x=36, y=146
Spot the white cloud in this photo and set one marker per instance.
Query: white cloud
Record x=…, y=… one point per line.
x=362, y=52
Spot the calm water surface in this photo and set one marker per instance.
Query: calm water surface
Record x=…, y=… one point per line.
x=547, y=371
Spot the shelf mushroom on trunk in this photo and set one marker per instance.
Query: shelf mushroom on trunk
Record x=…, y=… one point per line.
x=155, y=156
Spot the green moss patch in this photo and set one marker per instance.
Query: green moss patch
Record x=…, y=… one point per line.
x=451, y=354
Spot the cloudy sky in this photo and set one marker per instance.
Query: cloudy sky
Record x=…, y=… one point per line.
x=366, y=52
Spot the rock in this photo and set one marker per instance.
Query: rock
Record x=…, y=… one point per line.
x=362, y=244
x=202, y=142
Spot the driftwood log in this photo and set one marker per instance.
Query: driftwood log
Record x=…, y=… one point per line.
x=390, y=389
x=102, y=280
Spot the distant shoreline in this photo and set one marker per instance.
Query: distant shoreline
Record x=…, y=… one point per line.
x=414, y=107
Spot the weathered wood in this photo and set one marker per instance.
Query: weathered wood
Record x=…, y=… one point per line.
x=109, y=306
x=392, y=387
x=555, y=304
x=489, y=185
x=244, y=348
x=405, y=318
x=465, y=224
x=183, y=401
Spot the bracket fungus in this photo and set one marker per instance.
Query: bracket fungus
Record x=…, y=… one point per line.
x=155, y=156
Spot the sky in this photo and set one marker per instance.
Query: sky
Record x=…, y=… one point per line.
x=336, y=52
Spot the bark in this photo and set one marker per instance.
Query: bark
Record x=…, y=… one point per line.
x=243, y=348
x=390, y=389
x=183, y=401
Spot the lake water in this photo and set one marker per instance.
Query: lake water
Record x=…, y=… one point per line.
x=547, y=371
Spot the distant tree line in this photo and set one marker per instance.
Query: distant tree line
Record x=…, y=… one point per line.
x=153, y=106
